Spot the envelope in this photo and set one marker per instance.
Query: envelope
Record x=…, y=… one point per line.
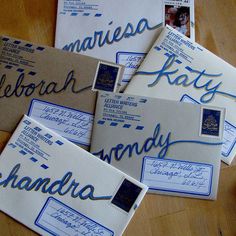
x=172, y=147
x=115, y=30
x=59, y=81
x=180, y=16
x=177, y=68
x=56, y=188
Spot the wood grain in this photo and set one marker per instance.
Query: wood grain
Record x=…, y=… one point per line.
x=34, y=20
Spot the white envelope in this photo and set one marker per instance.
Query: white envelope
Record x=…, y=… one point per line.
x=172, y=147
x=116, y=30
x=57, y=188
x=191, y=74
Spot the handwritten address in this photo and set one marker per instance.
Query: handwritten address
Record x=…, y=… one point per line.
x=131, y=61
x=177, y=176
x=60, y=219
x=72, y=124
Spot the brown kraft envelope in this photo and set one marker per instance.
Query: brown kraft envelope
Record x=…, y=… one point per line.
x=35, y=79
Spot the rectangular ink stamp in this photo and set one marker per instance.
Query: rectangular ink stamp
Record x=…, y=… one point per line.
x=72, y=124
x=59, y=219
x=131, y=61
x=177, y=176
x=106, y=77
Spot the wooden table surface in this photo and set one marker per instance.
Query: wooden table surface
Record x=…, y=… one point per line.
x=35, y=20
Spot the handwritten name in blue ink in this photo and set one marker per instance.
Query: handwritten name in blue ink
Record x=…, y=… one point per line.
x=100, y=38
x=157, y=140
x=63, y=186
x=20, y=87
x=203, y=80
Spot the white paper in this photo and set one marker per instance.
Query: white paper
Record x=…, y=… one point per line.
x=177, y=68
x=147, y=138
x=56, y=188
x=115, y=30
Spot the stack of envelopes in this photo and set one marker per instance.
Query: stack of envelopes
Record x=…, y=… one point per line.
x=84, y=154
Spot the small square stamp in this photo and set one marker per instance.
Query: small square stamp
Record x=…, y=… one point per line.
x=106, y=77
x=126, y=195
x=210, y=122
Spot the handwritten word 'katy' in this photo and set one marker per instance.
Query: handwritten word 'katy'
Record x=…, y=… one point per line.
x=202, y=80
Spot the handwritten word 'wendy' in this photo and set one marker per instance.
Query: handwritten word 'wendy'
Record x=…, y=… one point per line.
x=202, y=80
x=157, y=140
x=20, y=87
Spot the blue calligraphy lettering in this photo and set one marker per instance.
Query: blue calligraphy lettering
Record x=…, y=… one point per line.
x=199, y=82
x=47, y=186
x=21, y=88
x=157, y=140
x=100, y=38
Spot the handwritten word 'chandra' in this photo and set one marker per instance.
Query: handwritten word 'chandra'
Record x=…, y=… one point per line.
x=100, y=38
x=62, y=187
x=202, y=80
x=157, y=140
x=23, y=88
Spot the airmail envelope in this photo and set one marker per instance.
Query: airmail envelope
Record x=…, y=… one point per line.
x=115, y=30
x=179, y=69
x=172, y=147
x=56, y=188
x=53, y=86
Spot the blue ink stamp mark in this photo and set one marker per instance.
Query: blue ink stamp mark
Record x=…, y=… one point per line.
x=72, y=124
x=59, y=219
x=210, y=122
x=106, y=78
x=126, y=195
x=178, y=176
x=131, y=61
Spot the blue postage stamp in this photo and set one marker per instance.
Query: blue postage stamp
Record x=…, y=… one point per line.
x=210, y=123
x=106, y=78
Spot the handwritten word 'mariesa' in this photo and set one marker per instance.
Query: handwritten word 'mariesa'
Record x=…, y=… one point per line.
x=203, y=80
x=21, y=87
x=63, y=186
x=157, y=140
x=101, y=38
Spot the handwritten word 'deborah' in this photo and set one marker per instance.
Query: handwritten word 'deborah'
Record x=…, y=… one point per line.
x=22, y=88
